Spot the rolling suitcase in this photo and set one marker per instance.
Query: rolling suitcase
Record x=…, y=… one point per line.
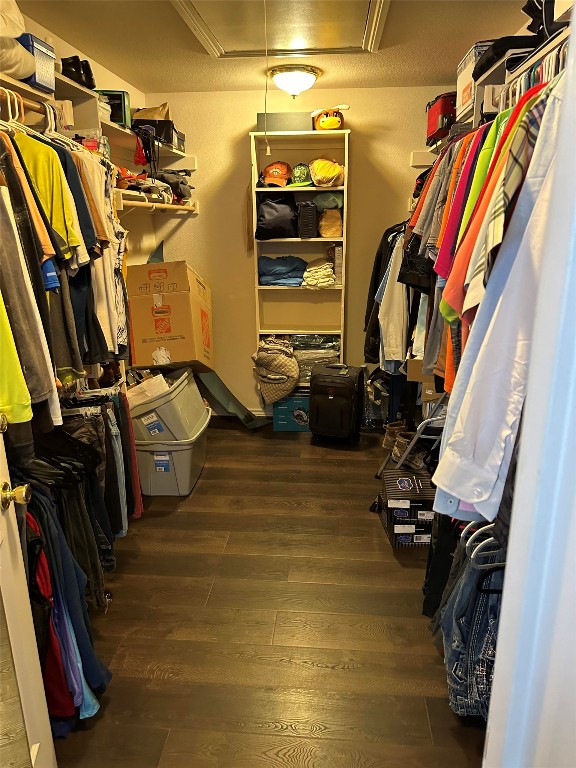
x=441, y=114
x=336, y=399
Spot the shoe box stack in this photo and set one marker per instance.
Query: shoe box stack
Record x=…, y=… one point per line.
x=405, y=507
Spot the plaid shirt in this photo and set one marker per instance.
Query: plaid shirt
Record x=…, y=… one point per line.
x=519, y=156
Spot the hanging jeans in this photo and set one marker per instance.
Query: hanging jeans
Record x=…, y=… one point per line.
x=469, y=627
x=119, y=461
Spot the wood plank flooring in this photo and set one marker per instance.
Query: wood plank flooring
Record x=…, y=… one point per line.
x=265, y=622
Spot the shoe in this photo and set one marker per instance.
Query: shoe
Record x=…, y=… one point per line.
x=88, y=74
x=107, y=379
x=415, y=459
x=392, y=430
x=72, y=68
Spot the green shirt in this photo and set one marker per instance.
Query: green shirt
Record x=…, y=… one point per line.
x=482, y=166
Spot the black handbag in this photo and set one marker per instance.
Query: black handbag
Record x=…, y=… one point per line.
x=277, y=216
x=415, y=270
x=307, y=220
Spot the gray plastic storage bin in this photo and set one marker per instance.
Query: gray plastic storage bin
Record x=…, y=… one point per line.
x=174, y=415
x=172, y=468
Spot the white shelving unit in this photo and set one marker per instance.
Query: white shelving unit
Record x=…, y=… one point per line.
x=498, y=74
x=289, y=310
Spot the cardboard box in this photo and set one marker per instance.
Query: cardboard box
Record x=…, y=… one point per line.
x=429, y=394
x=405, y=532
x=414, y=372
x=170, y=316
x=465, y=85
x=291, y=414
x=166, y=277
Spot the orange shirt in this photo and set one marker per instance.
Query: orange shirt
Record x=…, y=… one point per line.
x=454, y=292
x=460, y=158
x=422, y=199
x=37, y=221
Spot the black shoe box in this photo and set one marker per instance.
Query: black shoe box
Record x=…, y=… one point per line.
x=405, y=507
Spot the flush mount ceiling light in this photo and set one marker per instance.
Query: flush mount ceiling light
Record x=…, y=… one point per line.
x=294, y=78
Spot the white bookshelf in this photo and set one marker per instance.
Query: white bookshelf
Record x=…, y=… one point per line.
x=286, y=310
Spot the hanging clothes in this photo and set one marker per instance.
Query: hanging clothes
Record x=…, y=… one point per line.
x=480, y=430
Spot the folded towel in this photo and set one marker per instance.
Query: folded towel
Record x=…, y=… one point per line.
x=319, y=272
x=321, y=262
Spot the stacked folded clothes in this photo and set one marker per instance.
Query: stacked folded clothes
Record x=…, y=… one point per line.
x=283, y=270
x=308, y=358
x=320, y=274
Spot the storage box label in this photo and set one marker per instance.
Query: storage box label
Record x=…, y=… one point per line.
x=152, y=423
x=422, y=515
x=399, y=503
x=404, y=529
x=162, y=462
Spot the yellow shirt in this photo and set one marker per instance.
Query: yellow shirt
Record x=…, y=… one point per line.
x=44, y=168
x=14, y=396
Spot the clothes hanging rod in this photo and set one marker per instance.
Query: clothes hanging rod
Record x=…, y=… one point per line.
x=31, y=106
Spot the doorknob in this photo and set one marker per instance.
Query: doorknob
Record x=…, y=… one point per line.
x=20, y=495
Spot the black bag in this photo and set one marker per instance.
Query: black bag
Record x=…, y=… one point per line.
x=277, y=216
x=336, y=400
x=416, y=269
x=307, y=220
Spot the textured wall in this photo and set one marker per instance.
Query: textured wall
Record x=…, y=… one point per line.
x=105, y=78
x=387, y=124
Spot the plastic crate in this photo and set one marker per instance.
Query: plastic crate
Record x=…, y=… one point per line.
x=172, y=468
x=177, y=414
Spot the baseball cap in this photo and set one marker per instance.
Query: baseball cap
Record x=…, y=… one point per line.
x=301, y=176
x=278, y=173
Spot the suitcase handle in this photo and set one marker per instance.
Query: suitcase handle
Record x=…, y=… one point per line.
x=337, y=365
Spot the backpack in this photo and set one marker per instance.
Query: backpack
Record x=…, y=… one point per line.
x=307, y=219
x=277, y=216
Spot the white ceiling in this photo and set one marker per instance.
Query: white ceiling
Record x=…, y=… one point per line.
x=148, y=44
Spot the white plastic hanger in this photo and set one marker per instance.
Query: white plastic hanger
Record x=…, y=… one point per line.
x=51, y=133
x=3, y=123
x=486, y=548
x=477, y=535
x=21, y=126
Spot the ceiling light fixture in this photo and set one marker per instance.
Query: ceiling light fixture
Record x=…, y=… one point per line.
x=294, y=78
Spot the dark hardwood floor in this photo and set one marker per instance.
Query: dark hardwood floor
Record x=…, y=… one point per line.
x=265, y=622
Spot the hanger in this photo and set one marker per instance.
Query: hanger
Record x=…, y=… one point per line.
x=3, y=123
x=469, y=530
x=476, y=535
x=19, y=104
x=481, y=587
x=50, y=131
x=483, y=549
